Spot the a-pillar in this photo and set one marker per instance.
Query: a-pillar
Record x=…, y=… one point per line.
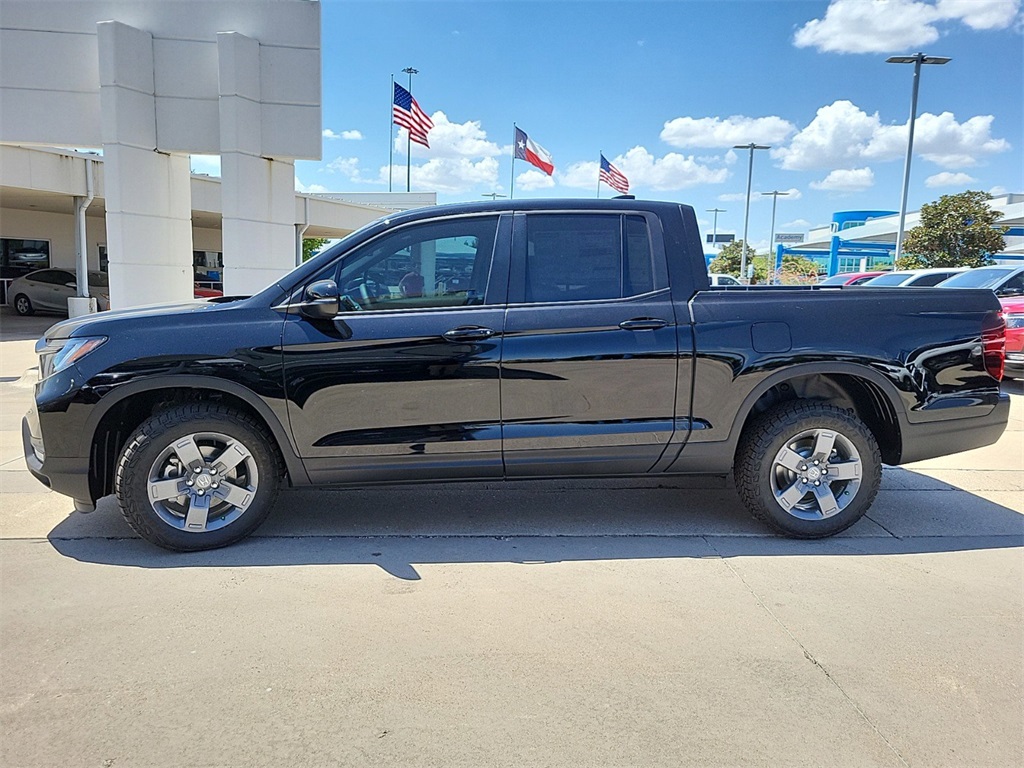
x=148, y=193
x=257, y=193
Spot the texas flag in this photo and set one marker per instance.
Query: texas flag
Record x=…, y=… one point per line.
x=532, y=152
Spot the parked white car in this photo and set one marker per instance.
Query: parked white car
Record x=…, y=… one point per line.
x=912, y=278
x=48, y=290
x=718, y=279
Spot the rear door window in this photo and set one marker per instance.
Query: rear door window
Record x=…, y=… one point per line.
x=586, y=257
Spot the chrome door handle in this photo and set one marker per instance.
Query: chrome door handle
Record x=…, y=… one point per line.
x=643, y=324
x=468, y=333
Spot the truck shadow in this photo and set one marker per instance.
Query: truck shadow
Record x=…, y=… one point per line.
x=399, y=528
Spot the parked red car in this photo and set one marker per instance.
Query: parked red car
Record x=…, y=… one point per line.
x=200, y=292
x=849, y=278
x=1013, y=312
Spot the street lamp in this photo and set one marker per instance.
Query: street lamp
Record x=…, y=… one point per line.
x=714, y=228
x=771, y=238
x=917, y=60
x=492, y=195
x=746, y=216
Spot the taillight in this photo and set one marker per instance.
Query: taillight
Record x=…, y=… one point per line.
x=993, y=343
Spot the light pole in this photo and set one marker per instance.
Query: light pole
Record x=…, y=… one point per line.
x=492, y=195
x=774, y=201
x=714, y=227
x=746, y=216
x=917, y=60
x=410, y=71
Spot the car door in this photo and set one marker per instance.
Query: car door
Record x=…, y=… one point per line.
x=403, y=383
x=589, y=357
x=49, y=291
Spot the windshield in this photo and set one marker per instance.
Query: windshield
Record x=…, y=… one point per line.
x=978, y=278
x=839, y=279
x=99, y=279
x=893, y=278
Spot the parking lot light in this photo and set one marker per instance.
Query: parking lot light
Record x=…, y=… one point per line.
x=917, y=60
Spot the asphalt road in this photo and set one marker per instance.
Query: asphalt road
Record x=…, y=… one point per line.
x=602, y=623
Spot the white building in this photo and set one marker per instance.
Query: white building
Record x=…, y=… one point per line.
x=39, y=188
x=150, y=82
x=883, y=229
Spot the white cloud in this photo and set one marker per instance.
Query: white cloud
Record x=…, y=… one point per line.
x=980, y=14
x=998, y=191
x=842, y=134
x=796, y=224
x=300, y=187
x=448, y=139
x=886, y=26
x=947, y=179
x=346, y=166
x=719, y=132
x=669, y=172
x=208, y=164
x=852, y=180
x=449, y=175
x=348, y=135
x=583, y=175
x=531, y=180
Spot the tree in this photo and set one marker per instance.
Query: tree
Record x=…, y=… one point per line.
x=310, y=246
x=798, y=270
x=728, y=260
x=955, y=231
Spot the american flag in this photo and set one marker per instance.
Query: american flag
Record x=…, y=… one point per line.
x=613, y=177
x=407, y=114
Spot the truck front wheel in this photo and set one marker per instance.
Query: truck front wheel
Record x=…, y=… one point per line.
x=808, y=469
x=197, y=476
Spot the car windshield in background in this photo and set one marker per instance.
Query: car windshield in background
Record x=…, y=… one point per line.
x=839, y=279
x=896, y=278
x=978, y=278
x=99, y=279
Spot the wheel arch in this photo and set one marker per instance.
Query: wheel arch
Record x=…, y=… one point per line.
x=130, y=404
x=869, y=394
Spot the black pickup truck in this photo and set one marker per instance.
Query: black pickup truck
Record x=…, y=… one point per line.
x=516, y=339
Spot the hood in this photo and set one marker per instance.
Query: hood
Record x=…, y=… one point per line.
x=98, y=324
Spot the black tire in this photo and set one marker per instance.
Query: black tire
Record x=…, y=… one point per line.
x=23, y=305
x=237, y=498
x=766, y=485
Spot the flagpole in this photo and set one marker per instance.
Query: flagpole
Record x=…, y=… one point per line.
x=408, y=136
x=512, y=181
x=600, y=154
x=391, y=133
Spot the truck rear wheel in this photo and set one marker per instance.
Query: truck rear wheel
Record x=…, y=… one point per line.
x=197, y=476
x=808, y=469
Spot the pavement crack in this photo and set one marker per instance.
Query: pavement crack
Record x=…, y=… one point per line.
x=810, y=657
x=876, y=522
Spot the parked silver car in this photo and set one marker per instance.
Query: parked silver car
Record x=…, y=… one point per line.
x=48, y=290
x=912, y=278
x=1006, y=280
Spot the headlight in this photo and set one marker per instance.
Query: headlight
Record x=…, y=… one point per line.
x=1014, y=321
x=62, y=353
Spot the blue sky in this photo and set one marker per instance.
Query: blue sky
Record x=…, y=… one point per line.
x=666, y=88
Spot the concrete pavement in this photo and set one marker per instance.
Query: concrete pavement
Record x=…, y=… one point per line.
x=601, y=623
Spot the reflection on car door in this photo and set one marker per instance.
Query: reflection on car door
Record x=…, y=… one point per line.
x=590, y=353
x=404, y=384
x=50, y=291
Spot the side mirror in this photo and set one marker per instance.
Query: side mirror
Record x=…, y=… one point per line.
x=322, y=300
